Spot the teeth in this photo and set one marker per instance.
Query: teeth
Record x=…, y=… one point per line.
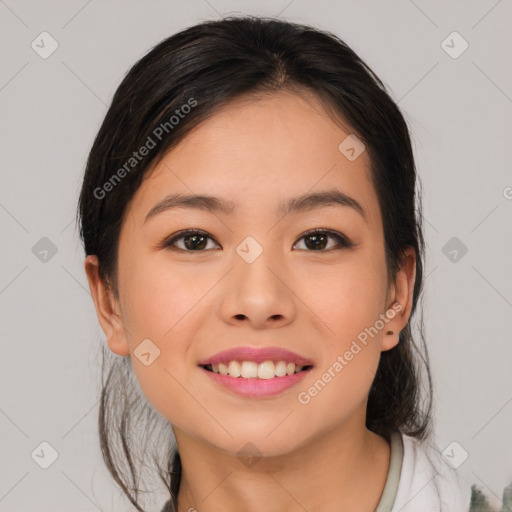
x=280, y=369
x=249, y=370
x=252, y=370
x=234, y=369
x=266, y=370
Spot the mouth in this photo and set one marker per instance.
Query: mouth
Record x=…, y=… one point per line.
x=256, y=363
x=256, y=372
x=253, y=370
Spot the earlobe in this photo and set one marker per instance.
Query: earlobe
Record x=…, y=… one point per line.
x=391, y=335
x=106, y=307
x=401, y=300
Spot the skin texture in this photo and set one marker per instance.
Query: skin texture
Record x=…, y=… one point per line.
x=317, y=456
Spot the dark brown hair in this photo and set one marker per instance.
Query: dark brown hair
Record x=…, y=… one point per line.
x=206, y=66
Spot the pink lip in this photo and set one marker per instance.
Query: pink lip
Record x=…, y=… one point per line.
x=258, y=355
x=256, y=388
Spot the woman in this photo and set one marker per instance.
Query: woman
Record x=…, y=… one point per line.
x=254, y=250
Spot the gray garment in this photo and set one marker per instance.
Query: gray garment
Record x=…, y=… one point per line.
x=395, y=468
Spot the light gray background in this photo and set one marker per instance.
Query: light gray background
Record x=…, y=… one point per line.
x=459, y=111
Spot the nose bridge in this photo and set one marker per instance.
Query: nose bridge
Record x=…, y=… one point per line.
x=257, y=291
x=255, y=266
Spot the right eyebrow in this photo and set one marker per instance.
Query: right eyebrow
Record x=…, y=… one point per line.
x=198, y=202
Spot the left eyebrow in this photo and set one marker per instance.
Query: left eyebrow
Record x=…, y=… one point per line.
x=305, y=202
x=308, y=202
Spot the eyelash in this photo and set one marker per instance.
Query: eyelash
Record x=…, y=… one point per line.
x=343, y=241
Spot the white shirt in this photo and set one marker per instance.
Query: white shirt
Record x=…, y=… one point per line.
x=420, y=480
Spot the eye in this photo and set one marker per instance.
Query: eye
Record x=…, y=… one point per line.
x=317, y=239
x=193, y=240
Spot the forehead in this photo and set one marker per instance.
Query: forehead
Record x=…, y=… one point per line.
x=258, y=151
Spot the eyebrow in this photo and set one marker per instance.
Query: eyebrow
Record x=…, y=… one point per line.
x=303, y=203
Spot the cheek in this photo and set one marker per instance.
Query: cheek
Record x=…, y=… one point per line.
x=350, y=303
x=348, y=296
x=349, y=299
x=159, y=352
x=160, y=297
x=162, y=305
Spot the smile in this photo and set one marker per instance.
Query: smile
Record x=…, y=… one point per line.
x=254, y=370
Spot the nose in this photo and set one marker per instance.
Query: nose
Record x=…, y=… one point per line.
x=259, y=294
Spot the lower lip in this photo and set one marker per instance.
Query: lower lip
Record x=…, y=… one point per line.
x=256, y=388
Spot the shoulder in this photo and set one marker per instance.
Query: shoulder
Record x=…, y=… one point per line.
x=428, y=483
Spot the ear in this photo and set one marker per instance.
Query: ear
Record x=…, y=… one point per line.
x=400, y=299
x=107, y=308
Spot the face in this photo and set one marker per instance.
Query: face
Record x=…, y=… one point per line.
x=257, y=277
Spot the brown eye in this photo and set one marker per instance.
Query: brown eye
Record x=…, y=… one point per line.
x=193, y=241
x=318, y=239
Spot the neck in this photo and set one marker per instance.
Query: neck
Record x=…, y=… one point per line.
x=344, y=469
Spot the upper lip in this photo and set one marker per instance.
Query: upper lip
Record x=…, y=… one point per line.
x=258, y=355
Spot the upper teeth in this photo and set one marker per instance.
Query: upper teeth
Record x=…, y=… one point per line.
x=252, y=370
